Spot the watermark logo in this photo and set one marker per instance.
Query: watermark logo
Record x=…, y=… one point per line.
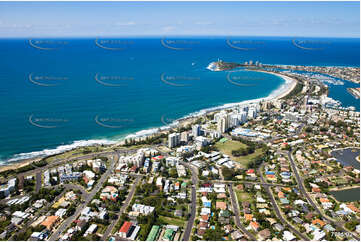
x=242, y=80
x=243, y=44
x=112, y=80
x=113, y=44
x=178, y=80
x=47, y=44
x=46, y=122
x=341, y=234
x=310, y=44
x=112, y=122
x=179, y=44
x=46, y=80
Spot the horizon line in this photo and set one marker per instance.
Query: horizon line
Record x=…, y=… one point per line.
x=174, y=36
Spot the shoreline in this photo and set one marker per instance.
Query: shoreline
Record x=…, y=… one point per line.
x=290, y=84
x=335, y=189
x=13, y=163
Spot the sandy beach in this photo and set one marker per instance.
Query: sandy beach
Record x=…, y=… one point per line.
x=290, y=84
x=279, y=93
x=18, y=164
x=289, y=87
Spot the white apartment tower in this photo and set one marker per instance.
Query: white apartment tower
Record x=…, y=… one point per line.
x=173, y=140
x=196, y=130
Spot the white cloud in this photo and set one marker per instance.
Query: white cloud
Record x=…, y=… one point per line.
x=15, y=25
x=203, y=23
x=129, y=23
x=168, y=28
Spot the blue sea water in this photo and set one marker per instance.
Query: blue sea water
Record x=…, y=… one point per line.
x=57, y=91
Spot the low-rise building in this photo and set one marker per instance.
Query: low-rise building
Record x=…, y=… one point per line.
x=50, y=222
x=142, y=209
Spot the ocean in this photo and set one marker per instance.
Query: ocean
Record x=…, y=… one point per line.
x=56, y=94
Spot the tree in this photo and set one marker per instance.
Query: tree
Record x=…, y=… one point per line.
x=351, y=225
x=71, y=210
x=213, y=235
x=308, y=129
x=228, y=173
x=173, y=173
x=206, y=149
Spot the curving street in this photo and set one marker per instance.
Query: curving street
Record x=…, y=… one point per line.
x=188, y=230
x=122, y=209
x=278, y=210
x=303, y=190
x=236, y=214
x=87, y=199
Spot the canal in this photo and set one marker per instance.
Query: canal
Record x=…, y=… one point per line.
x=348, y=195
x=347, y=157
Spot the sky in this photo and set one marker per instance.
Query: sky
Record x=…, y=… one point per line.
x=100, y=19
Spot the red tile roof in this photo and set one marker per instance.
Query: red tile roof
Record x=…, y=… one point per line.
x=250, y=171
x=125, y=227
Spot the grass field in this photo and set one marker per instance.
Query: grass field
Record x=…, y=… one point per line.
x=242, y=196
x=173, y=221
x=101, y=228
x=228, y=146
x=78, y=152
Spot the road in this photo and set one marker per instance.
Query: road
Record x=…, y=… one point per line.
x=122, y=209
x=277, y=209
x=38, y=181
x=252, y=183
x=303, y=190
x=74, y=187
x=57, y=162
x=87, y=199
x=236, y=214
x=190, y=222
x=67, y=187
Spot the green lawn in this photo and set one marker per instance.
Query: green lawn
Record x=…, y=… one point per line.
x=78, y=152
x=101, y=228
x=228, y=146
x=242, y=196
x=173, y=221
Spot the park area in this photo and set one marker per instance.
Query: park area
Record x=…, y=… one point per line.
x=227, y=146
x=172, y=221
x=243, y=196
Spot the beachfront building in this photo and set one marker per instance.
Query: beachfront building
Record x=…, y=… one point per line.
x=173, y=140
x=137, y=159
x=184, y=137
x=201, y=141
x=196, y=130
x=9, y=187
x=222, y=119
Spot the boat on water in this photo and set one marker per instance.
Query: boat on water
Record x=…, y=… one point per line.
x=355, y=92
